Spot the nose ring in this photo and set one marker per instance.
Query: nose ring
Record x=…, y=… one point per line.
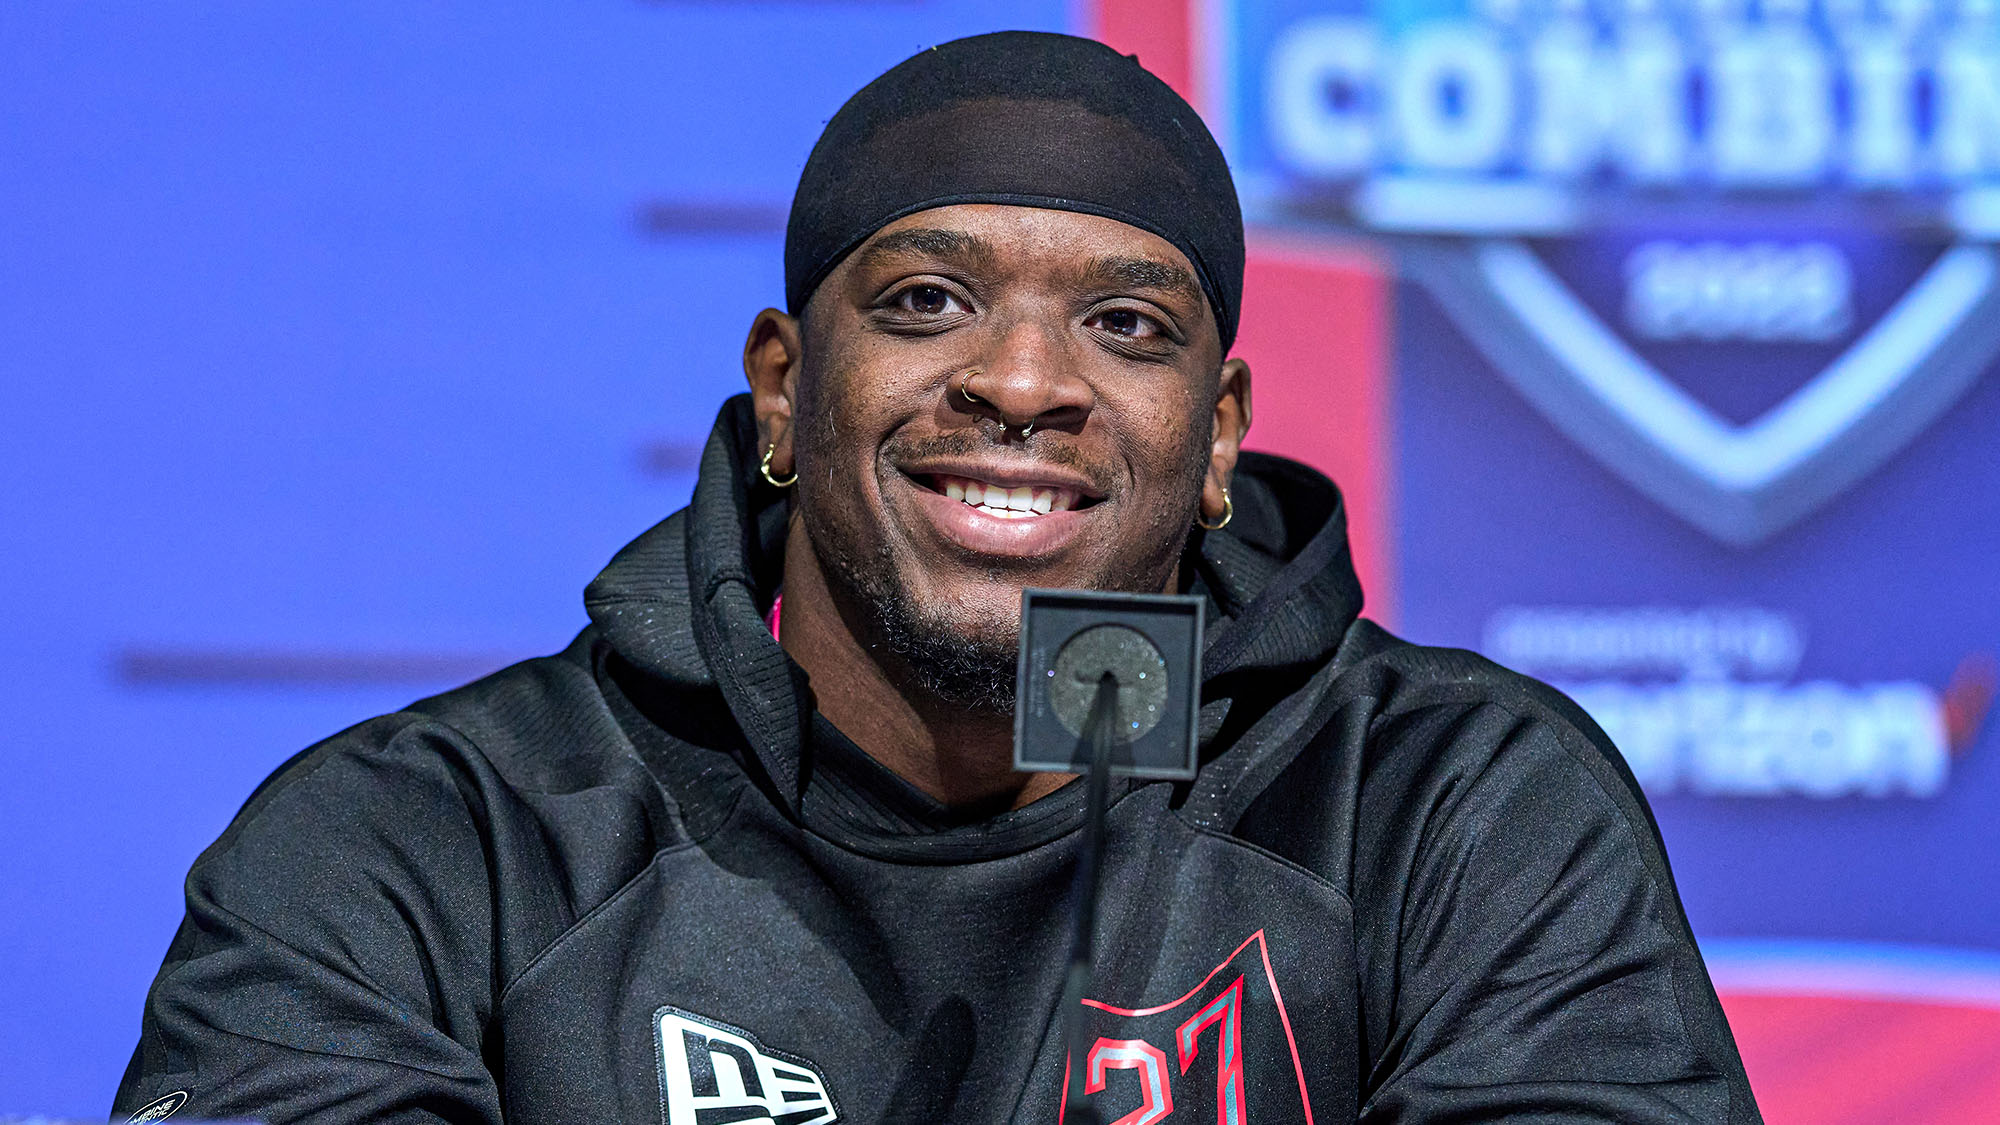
x=965, y=391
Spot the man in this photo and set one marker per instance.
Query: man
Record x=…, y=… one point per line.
x=751, y=849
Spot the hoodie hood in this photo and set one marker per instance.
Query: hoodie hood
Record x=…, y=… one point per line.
x=685, y=602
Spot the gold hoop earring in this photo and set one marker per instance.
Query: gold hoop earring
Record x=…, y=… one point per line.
x=965, y=388
x=765, y=468
x=1228, y=513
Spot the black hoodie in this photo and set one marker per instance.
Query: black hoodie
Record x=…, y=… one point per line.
x=643, y=881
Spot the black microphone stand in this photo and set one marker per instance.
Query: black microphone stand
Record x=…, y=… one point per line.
x=1100, y=732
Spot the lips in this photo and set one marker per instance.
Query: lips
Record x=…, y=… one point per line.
x=1016, y=512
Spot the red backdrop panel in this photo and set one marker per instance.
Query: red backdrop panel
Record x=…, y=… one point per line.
x=1315, y=333
x=1842, y=1060
x=1160, y=32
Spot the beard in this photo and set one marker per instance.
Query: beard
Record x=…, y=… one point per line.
x=976, y=674
x=960, y=664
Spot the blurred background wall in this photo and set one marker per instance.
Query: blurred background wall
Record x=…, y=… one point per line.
x=1654, y=342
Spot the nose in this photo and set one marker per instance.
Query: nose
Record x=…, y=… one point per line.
x=1029, y=381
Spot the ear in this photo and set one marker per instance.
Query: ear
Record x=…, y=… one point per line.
x=1232, y=421
x=771, y=359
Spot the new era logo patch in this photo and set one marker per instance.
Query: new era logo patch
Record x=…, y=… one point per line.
x=715, y=1074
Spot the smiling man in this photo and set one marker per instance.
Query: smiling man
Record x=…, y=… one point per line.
x=752, y=849
x=981, y=398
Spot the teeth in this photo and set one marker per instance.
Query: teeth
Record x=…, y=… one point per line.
x=1008, y=503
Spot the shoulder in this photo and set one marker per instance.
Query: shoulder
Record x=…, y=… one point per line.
x=509, y=732
x=515, y=799
x=411, y=790
x=1453, y=712
x=1416, y=747
x=1502, y=860
x=541, y=726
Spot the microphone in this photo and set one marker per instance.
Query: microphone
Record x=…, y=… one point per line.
x=1107, y=683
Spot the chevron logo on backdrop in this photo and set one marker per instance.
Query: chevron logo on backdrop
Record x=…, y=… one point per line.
x=1590, y=189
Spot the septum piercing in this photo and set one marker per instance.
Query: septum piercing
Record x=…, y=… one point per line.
x=965, y=391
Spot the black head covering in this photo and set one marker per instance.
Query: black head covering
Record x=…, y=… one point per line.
x=1026, y=118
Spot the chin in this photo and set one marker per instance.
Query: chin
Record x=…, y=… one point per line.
x=963, y=654
x=979, y=609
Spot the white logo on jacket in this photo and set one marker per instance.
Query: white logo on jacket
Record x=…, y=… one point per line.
x=713, y=1072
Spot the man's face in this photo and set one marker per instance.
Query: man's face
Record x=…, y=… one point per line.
x=926, y=506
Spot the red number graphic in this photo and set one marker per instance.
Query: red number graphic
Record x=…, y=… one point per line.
x=1226, y=1013
x=1132, y=1054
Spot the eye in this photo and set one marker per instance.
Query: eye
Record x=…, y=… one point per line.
x=1129, y=323
x=928, y=300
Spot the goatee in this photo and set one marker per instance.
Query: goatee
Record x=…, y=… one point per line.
x=960, y=668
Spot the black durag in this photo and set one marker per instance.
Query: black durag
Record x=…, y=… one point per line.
x=1026, y=118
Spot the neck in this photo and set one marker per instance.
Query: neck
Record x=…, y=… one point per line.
x=961, y=758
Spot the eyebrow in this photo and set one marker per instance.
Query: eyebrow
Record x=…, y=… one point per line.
x=1144, y=273
x=957, y=245
x=930, y=242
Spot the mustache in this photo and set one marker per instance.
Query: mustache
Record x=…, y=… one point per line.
x=975, y=443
